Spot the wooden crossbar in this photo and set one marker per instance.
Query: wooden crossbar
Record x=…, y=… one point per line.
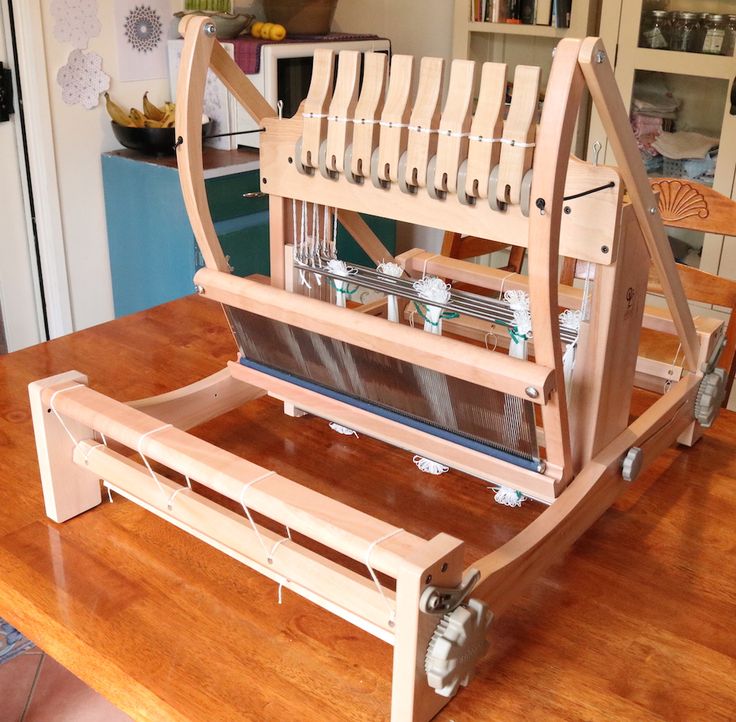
x=323, y=519
x=331, y=585
x=446, y=355
x=543, y=487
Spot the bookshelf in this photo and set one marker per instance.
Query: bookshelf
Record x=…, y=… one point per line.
x=702, y=84
x=515, y=44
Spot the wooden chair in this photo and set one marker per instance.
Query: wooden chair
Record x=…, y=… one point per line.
x=455, y=245
x=694, y=206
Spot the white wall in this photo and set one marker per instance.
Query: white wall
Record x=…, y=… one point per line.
x=17, y=282
x=80, y=136
x=414, y=28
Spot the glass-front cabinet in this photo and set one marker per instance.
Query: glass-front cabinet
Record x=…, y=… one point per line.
x=675, y=65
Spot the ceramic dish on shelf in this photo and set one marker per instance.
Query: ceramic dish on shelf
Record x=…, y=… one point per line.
x=151, y=141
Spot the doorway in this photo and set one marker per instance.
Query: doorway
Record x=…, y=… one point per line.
x=21, y=308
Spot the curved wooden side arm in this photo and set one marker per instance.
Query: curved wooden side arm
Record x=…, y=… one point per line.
x=551, y=154
x=200, y=52
x=507, y=570
x=195, y=62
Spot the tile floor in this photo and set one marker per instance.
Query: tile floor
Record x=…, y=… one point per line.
x=36, y=688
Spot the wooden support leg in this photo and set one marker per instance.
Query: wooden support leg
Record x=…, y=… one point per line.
x=199, y=402
x=438, y=562
x=68, y=489
x=278, y=227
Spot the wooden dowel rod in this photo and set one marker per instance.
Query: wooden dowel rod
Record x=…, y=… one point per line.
x=291, y=564
x=315, y=515
x=542, y=487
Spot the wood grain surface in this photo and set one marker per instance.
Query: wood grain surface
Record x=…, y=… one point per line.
x=635, y=623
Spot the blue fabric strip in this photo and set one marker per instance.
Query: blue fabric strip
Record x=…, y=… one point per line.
x=531, y=464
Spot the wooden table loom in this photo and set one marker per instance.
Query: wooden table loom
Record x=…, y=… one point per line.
x=450, y=399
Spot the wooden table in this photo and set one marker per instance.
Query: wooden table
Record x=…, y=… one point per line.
x=636, y=622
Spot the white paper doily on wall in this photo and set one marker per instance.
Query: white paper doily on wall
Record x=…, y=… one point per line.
x=82, y=79
x=75, y=21
x=140, y=30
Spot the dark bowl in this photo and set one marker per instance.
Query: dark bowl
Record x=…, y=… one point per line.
x=151, y=141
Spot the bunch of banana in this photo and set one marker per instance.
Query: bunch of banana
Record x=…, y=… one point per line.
x=151, y=117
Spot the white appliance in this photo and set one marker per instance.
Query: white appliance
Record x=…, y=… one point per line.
x=284, y=74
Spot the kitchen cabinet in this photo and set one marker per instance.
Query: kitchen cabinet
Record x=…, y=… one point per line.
x=153, y=255
x=702, y=83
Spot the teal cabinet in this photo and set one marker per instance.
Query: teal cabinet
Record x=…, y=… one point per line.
x=153, y=255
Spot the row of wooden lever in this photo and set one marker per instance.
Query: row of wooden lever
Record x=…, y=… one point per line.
x=373, y=131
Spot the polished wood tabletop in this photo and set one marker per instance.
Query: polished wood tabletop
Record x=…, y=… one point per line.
x=636, y=622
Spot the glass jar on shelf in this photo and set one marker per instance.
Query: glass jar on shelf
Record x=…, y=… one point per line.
x=684, y=34
x=702, y=23
x=655, y=30
x=715, y=35
x=729, y=44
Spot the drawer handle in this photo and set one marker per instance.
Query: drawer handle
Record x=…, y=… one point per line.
x=254, y=194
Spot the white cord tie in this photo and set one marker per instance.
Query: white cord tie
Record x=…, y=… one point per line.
x=170, y=501
x=58, y=415
x=269, y=553
x=90, y=450
x=505, y=141
x=371, y=547
x=139, y=449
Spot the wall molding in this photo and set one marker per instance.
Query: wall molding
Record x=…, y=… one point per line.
x=32, y=71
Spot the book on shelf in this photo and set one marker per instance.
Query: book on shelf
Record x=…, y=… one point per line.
x=528, y=11
x=561, y=11
x=543, y=13
x=480, y=10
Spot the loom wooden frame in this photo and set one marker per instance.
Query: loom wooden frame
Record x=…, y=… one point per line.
x=68, y=417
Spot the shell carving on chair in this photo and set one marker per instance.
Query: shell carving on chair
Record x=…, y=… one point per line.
x=679, y=200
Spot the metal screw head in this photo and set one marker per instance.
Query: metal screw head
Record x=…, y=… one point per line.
x=600, y=56
x=604, y=249
x=652, y=210
x=531, y=392
x=567, y=210
x=428, y=579
x=210, y=30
